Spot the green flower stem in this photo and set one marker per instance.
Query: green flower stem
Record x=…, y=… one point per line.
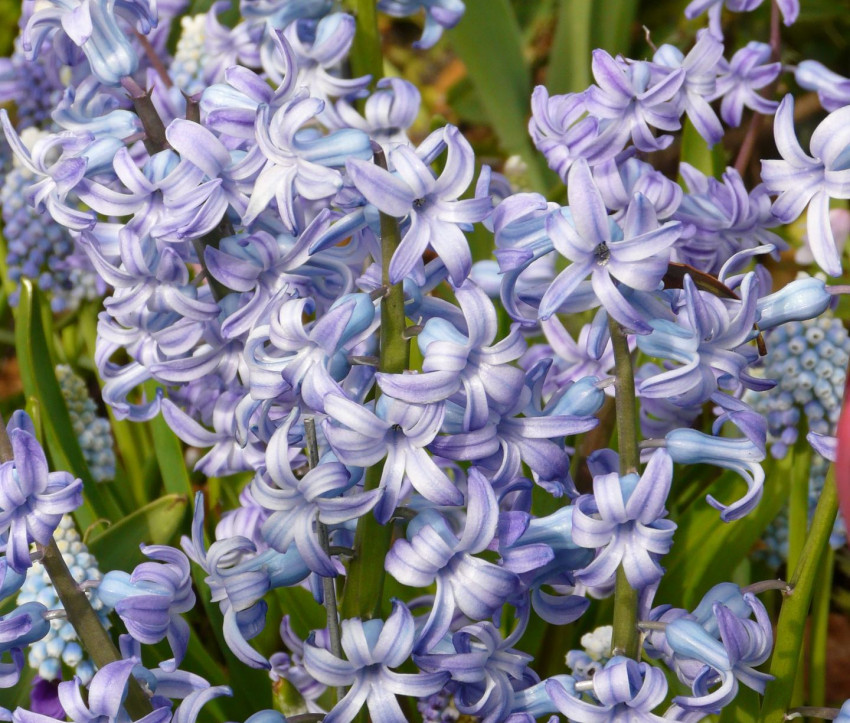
x=81, y=614
x=364, y=584
x=798, y=501
x=792, y=617
x=820, y=630
x=366, y=57
x=626, y=637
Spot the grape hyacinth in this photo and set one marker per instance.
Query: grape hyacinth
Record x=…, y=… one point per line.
x=61, y=645
x=40, y=249
x=93, y=432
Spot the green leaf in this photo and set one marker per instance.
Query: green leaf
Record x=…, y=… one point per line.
x=612, y=25
x=37, y=362
x=169, y=452
x=489, y=42
x=117, y=547
x=569, y=58
x=785, y=661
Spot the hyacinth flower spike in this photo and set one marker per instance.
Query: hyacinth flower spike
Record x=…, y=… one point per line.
x=372, y=649
x=639, y=261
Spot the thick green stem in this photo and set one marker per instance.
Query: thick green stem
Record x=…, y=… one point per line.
x=792, y=617
x=626, y=637
x=366, y=57
x=364, y=584
x=819, y=634
x=81, y=614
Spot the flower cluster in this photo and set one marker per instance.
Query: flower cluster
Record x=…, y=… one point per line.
x=292, y=289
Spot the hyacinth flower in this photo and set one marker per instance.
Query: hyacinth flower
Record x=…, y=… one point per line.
x=320, y=47
x=387, y=113
x=742, y=455
x=833, y=90
x=628, y=105
x=802, y=180
x=708, y=340
x=484, y=666
x=239, y=574
x=56, y=177
x=230, y=108
x=94, y=27
x=700, y=66
x=789, y=9
x=105, y=697
x=24, y=625
x=623, y=521
x=32, y=499
x=638, y=261
x=283, y=355
x=721, y=218
x=541, y=551
x=620, y=182
x=739, y=80
x=743, y=644
x=297, y=161
x=455, y=361
x=429, y=204
x=372, y=648
x=151, y=599
x=439, y=15
x=297, y=504
x=434, y=552
x=560, y=128
x=626, y=691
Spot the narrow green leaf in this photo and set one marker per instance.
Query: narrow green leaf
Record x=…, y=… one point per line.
x=612, y=25
x=569, y=58
x=820, y=630
x=489, y=42
x=784, y=663
x=117, y=546
x=169, y=453
x=37, y=360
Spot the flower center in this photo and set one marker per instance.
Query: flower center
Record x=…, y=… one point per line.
x=602, y=254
